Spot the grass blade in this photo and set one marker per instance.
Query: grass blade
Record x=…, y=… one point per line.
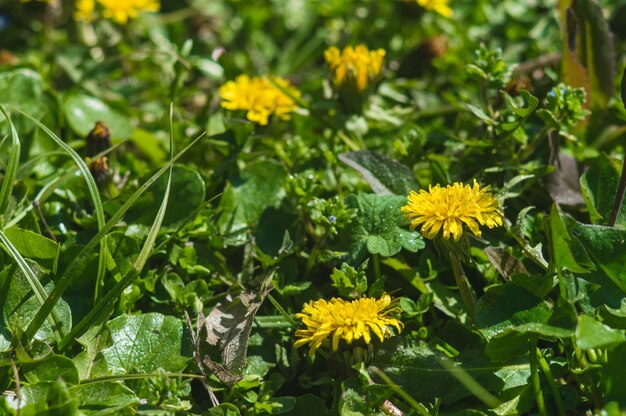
x=93, y=193
x=102, y=307
x=11, y=171
x=74, y=267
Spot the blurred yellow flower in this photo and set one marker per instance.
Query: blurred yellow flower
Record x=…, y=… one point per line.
x=337, y=320
x=84, y=10
x=439, y=6
x=358, y=64
x=452, y=207
x=260, y=97
x=119, y=11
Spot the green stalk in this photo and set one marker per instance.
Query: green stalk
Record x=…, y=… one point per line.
x=468, y=297
x=534, y=376
x=545, y=367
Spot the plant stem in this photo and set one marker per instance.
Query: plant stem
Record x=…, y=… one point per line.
x=468, y=297
x=619, y=197
x=534, y=375
x=545, y=367
x=376, y=266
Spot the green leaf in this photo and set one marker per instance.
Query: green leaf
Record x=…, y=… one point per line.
x=35, y=247
x=386, y=176
x=24, y=88
x=224, y=409
x=50, y=369
x=379, y=227
x=84, y=111
x=613, y=381
x=309, y=405
x=104, y=398
x=187, y=186
x=143, y=343
x=260, y=186
x=508, y=315
x=592, y=334
x=599, y=187
x=415, y=367
x=607, y=247
x=19, y=304
x=562, y=245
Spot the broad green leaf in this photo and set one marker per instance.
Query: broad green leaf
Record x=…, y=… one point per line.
x=143, y=343
x=91, y=362
x=19, y=304
x=35, y=247
x=23, y=87
x=260, y=186
x=592, y=334
x=599, y=186
x=415, y=367
x=378, y=227
x=84, y=111
x=104, y=398
x=562, y=245
x=508, y=315
x=588, y=54
x=186, y=194
x=386, y=176
x=309, y=405
x=50, y=369
x=607, y=247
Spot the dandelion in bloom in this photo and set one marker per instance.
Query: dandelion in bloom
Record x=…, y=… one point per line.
x=260, y=97
x=329, y=323
x=452, y=207
x=354, y=65
x=84, y=10
x=439, y=6
x=116, y=10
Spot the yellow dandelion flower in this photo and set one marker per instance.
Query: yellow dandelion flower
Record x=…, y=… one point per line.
x=337, y=320
x=439, y=6
x=122, y=11
x=84, y=10
x=452, y=207
x=260, y=97
x=358, y=64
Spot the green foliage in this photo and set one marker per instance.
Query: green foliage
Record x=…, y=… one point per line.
x=164, y=274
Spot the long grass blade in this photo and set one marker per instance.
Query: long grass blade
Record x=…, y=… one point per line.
x=75, y=266
x=102, y=307
x=9, y=177
x=92, y=189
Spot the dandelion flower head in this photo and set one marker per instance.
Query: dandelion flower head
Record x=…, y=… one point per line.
x=438, y=6
x=348, y=321
x=120, y=11
x=452, y=207
x=260, y=97
x=357, y=64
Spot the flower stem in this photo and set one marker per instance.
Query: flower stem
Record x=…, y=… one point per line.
x=534, y=375
x=619, y=197
x=545, y=367
x=376, y=262
x=468, y=297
